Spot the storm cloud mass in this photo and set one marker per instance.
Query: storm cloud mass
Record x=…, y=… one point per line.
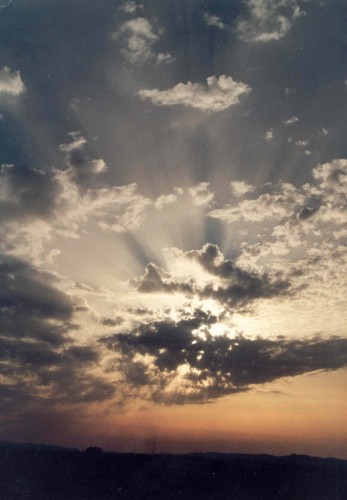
x=189, y=364
x=173, y=208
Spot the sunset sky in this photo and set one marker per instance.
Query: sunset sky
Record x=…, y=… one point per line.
x=173, y=212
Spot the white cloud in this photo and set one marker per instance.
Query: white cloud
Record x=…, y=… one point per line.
x=130, y=7
x=164, y=58
x=11, y=82
x=139, y=36
x=219, y=94
x=38, y=206
x=215, y=21
x=290, y=121
x=293, y=217
x=52, y=255
x=271, y=205
x=81, y=167
x=201, y=194
x=240, y=188
x=302, y=143
x=165, y=199
x=269, y=135
x=116, y=208
x=268, y=20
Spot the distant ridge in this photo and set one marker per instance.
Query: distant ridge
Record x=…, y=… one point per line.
x=264, y=457
x=9, y=445
x=30, y=471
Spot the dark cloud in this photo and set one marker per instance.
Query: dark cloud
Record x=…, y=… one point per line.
x=235, y=287
x=41, y=360
x=112, y=321
x=239, y=286
x=26, y=193
x=215, y=365
x=140, y=311
x=31, y=304
x=307, y=213
x=29, y=193
x=82, y=168
x=157, y=279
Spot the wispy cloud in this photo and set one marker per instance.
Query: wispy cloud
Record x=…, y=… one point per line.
x=11, y=82
x=268, y=20
x=291, y=121
x=130, y=7
x=138, y=37
x=213, y=20
x=269, y=135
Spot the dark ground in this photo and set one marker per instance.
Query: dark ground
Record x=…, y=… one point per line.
x=37, y=472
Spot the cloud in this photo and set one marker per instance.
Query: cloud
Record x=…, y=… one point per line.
x=130, y=7
x=269, y=135
x=31, y=304
x=139, y=37
x=11, y=82
x=178, y=362
x=164, y=200
x=34, y=205
x=227, y=283
x=302, y=142
x=43, y=362
x=26, y=192
x=298, y=229
x=212, y=20
x=81, y=168
x=201, y=194
x=269, y=205
x=237, y=286
x=219, y=94
x=240, y=188
x=291, y=121
x=268, y=20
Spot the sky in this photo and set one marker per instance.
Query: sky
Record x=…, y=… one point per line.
x=173, y=190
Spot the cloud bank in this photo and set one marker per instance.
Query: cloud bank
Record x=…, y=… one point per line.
x=180, y=362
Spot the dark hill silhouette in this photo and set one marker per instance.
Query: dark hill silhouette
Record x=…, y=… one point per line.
x=41, y=472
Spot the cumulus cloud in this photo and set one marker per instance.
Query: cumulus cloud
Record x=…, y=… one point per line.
x=11, y=82
x=177, y=362
x=240, y=188
x=219, y=94
x=295, y=227
x=268, y=20
x=36, y=204
x=81, y=168
x=228, y=284
x=165, y=199
x=302, y=143
x=201, y=194
x=269, y=205
x=138, y=37
x=212, y=20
